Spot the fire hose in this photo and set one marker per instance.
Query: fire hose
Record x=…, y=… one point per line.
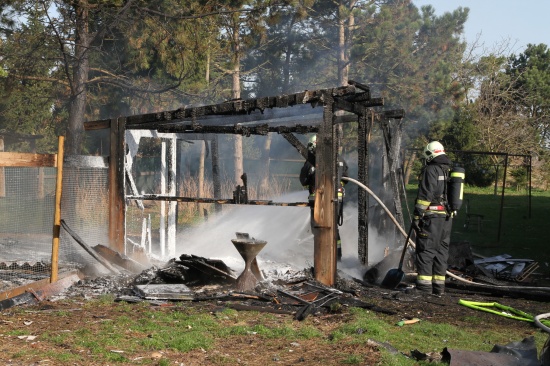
x=450, y=274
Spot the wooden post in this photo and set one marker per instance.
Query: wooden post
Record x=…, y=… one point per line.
x=363, y=131
x=57, y=210
x=392, y=139
x=216, y=171
x=326, y=200
x=117, y=205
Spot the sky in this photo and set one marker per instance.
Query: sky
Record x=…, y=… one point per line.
x=495, y=21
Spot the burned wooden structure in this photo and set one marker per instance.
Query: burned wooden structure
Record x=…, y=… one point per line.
x=319, y=111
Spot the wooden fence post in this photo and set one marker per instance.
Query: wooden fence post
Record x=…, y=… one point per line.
x=57, y=210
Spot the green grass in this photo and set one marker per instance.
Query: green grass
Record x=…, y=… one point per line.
x=136, y=329
x=425, y=336
x=512, y=223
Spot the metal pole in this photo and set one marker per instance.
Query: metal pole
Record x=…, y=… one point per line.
x=529, y=172
x=502, y=197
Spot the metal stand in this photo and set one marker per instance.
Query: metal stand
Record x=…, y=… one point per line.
x=248, y=249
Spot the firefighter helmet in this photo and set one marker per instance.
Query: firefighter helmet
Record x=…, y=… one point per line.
x=312, y=144
x=432, y=150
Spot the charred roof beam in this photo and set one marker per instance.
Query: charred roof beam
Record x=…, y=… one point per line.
x=359, y=85
x=393, y=114
x=357, y=108
x=262, y=129
x=241, y=107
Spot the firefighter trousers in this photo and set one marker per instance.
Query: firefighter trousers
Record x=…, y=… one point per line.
x=432, y=253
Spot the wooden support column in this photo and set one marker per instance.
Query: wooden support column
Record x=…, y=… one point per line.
x=216, y=171
x=363, y=132
x=324, y=218
x=117, y=205
x=392, y=132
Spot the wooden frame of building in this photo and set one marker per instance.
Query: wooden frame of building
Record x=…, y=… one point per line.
x=352, y=103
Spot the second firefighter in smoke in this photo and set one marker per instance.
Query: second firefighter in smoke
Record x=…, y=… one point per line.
x=307, y=179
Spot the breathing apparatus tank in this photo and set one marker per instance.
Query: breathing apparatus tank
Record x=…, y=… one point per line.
x=455, y=188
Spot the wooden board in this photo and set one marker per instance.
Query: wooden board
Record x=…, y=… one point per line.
x=12, y=159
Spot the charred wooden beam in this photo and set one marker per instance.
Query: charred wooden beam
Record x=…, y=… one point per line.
x=373, y=102
x=248, y=130
x=89, y=250
x=395, y=113
x=358, y=107
x=363, y=138
x=38, y=291
x=361, y=97
x=296, y=143
x=292, y=120
x=392, y=132
x=233, y=107
x=359, y=85
x=348, y=106
x=227, y=201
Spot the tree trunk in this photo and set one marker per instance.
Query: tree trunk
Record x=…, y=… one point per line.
x=77, y=108
x=344, y=40
x=207, y=72
x=200, y=187
x=264, y=166
x=286, y=65
x=408, y=168
x=236, y=94
x=342, y=78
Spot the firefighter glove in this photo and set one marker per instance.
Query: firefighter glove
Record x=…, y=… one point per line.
x=416, y=224
x=418, y=228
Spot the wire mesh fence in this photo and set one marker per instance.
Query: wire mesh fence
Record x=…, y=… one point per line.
x=26, y=219
x=84, y=209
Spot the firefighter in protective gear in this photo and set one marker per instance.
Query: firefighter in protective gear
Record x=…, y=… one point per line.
x=432, y=221
x=307, y=179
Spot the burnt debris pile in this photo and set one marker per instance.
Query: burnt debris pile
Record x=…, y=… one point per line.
x=191, y=278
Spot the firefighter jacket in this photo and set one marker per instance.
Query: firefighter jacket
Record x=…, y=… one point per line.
x=432, y=188
x=307, y=174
